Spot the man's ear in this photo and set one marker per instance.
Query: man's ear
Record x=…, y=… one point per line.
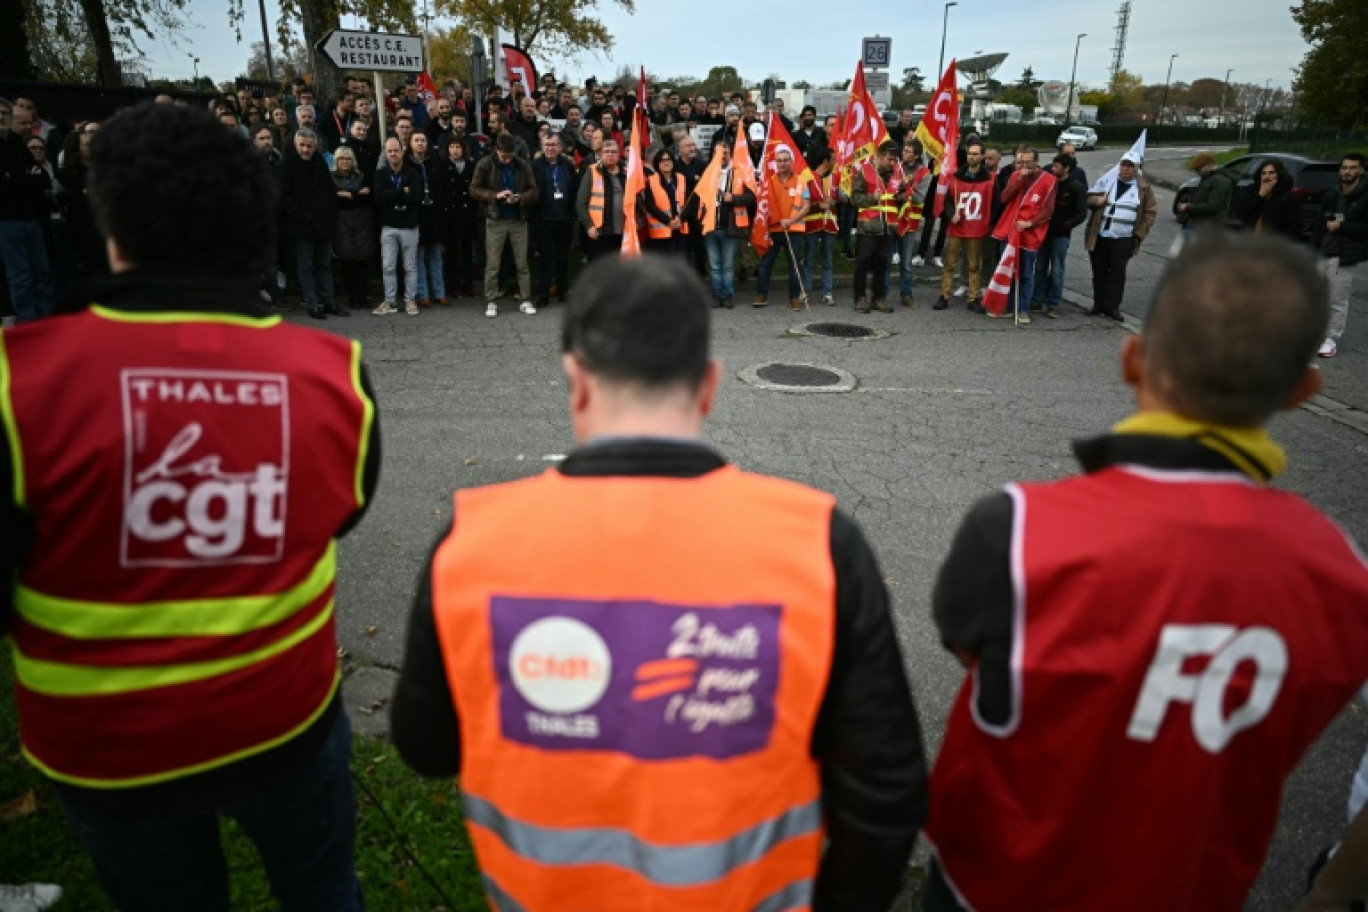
x=1133, y=361
x=1310, y=384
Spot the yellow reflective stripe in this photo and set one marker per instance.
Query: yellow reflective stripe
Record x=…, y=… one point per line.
x=168, y=775
x=367, y=420
x=61, y=679
x=186, y=618
x=11, y=426
x=185, y=316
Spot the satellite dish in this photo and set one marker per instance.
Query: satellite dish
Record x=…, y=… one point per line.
x=1053, y=96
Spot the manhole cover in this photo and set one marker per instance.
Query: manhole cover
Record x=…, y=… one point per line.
x=840, y=330
x=783, y=377
x=798, y=375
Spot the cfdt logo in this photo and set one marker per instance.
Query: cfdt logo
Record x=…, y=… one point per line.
x=206, y=468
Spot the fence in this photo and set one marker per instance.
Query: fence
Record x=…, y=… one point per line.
x=1116, y=136
x=1313, y=142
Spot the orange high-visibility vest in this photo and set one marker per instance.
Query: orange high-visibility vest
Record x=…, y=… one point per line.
x=637, y=706
x=786, y=198
x=817, y=221
x=740, y=214
x=661, y=230
x=596, y=195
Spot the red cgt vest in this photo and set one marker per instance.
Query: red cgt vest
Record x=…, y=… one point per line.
x=176, y=611
x=817, y=221
x=1181, y=639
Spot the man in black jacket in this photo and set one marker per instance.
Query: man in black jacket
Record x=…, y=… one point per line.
x=308, y=204
x=554, y=223
x=22, y=209
x=635, y=351
x=1070, y=211
x=1341, y=237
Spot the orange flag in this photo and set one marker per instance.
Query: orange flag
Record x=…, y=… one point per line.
x=636, y=174
x=760, y=238
x=707, y=192
x=780, y=138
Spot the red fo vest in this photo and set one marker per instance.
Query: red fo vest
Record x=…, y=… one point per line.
x=817, y=221
x=635, y=733
x=1182, y=638
x=974, y=203
x=176, y=611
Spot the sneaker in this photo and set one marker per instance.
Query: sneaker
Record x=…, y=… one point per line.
x=897, y=258
x=280, y=279
x=861, y=306
x=907, y=301
x=1024, y=320
x=30, y=897
x=265, y=296
x=882, y=306
x=760, y=300
x=828, y=300
x=918, y=261
x=411, y=307
x=847, y=254
x=941, y=303
x=940, y=264
x=385, y=308
x=1115, y=315
x=977, y=307
x=1327, y=349
x=527, y=308
x=491, y=309
x=1052, y=313
x=961, y=291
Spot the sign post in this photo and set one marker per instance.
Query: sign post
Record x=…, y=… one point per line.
x=379, y=52
x=876, y=53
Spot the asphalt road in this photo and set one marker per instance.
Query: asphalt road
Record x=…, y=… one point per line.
x=948, y=408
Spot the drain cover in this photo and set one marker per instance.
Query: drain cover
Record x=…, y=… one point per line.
x=798, y=375
x=798, y=378
x=841, y=330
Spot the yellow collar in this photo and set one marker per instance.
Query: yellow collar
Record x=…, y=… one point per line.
x=1251, y=450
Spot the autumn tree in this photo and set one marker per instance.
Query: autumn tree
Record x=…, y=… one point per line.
x=1206, y=93
x=1332, y=80
x=540, y=27
x=914, y=83
x=288, y=61
x=1028, y=81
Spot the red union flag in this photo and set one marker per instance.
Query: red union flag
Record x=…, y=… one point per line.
x=427, y=90
x=519, y=68
x=999, y=293
x=206, y=467
x=864, y=130
x=940, y=124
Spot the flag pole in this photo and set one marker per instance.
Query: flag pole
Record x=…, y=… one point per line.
x=793, y=261
x=1016, y=291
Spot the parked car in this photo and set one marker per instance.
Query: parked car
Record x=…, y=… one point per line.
x=1311, y=179
x=1084, y=138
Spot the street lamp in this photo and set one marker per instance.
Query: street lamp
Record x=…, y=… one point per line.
x=196, y=59
x=945, y=23
x=1068, y=107
x=1167, y=80
x=266, y=42
x=1224, y=89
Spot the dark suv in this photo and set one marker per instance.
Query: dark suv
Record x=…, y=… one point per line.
x=1311, y=179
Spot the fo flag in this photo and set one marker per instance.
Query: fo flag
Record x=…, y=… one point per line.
x=636, y=174
x=999, y=293
x=427, y=90
x=519, y=68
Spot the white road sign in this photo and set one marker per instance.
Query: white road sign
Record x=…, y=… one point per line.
x=876, y=51
x=373, y=51
x=876, y=82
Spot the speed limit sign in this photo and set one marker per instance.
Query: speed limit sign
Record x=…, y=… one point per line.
x=876, y=51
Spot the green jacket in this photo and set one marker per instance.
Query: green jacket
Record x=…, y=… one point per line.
x=1210, y=205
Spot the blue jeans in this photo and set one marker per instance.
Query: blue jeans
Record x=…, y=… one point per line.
x=1025, y=280
x=1049, y=272
x=313, y=264
x=819, y=245
x=304, y=829
x=721, y=263
x=907, y=249
x=430, y=271
x=27, y=268
x=795, y=262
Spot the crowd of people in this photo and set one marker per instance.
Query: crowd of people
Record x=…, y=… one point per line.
x=697, y=699
x=452, y=200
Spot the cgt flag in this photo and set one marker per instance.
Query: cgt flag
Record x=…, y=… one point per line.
x=942, y=115
x=949, y=164
x=636, y=175
x=864, y=130
x=427, y=89
x=999, y=291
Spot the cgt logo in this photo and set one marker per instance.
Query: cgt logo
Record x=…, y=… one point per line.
x=206, y=467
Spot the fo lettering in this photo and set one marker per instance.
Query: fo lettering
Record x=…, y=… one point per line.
x=1166, y=682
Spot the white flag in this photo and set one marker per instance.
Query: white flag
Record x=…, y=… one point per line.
x=1136, y=153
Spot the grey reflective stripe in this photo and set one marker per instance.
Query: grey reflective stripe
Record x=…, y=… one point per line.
x=668, y=866
x=797, y=895
x=501, y=900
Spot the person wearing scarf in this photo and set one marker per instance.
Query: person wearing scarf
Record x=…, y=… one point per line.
x=1153, y=644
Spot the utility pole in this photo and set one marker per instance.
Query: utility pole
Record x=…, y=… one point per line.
x=945, y=23
x=1073, y=75
x=266, y=42
x=196, y=60
x=1225, y=88
x=1167, y=81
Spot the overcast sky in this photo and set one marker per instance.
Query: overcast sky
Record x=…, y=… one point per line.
x=1258, y=38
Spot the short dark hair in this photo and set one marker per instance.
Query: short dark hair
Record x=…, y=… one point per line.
x=1235, y=321
x=807, y=108
x=643, y=321
x=506, y=143
x=662, y=153
x=203, y=203
x=1067, y=160
x=889, y=147
x=1354, y=157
